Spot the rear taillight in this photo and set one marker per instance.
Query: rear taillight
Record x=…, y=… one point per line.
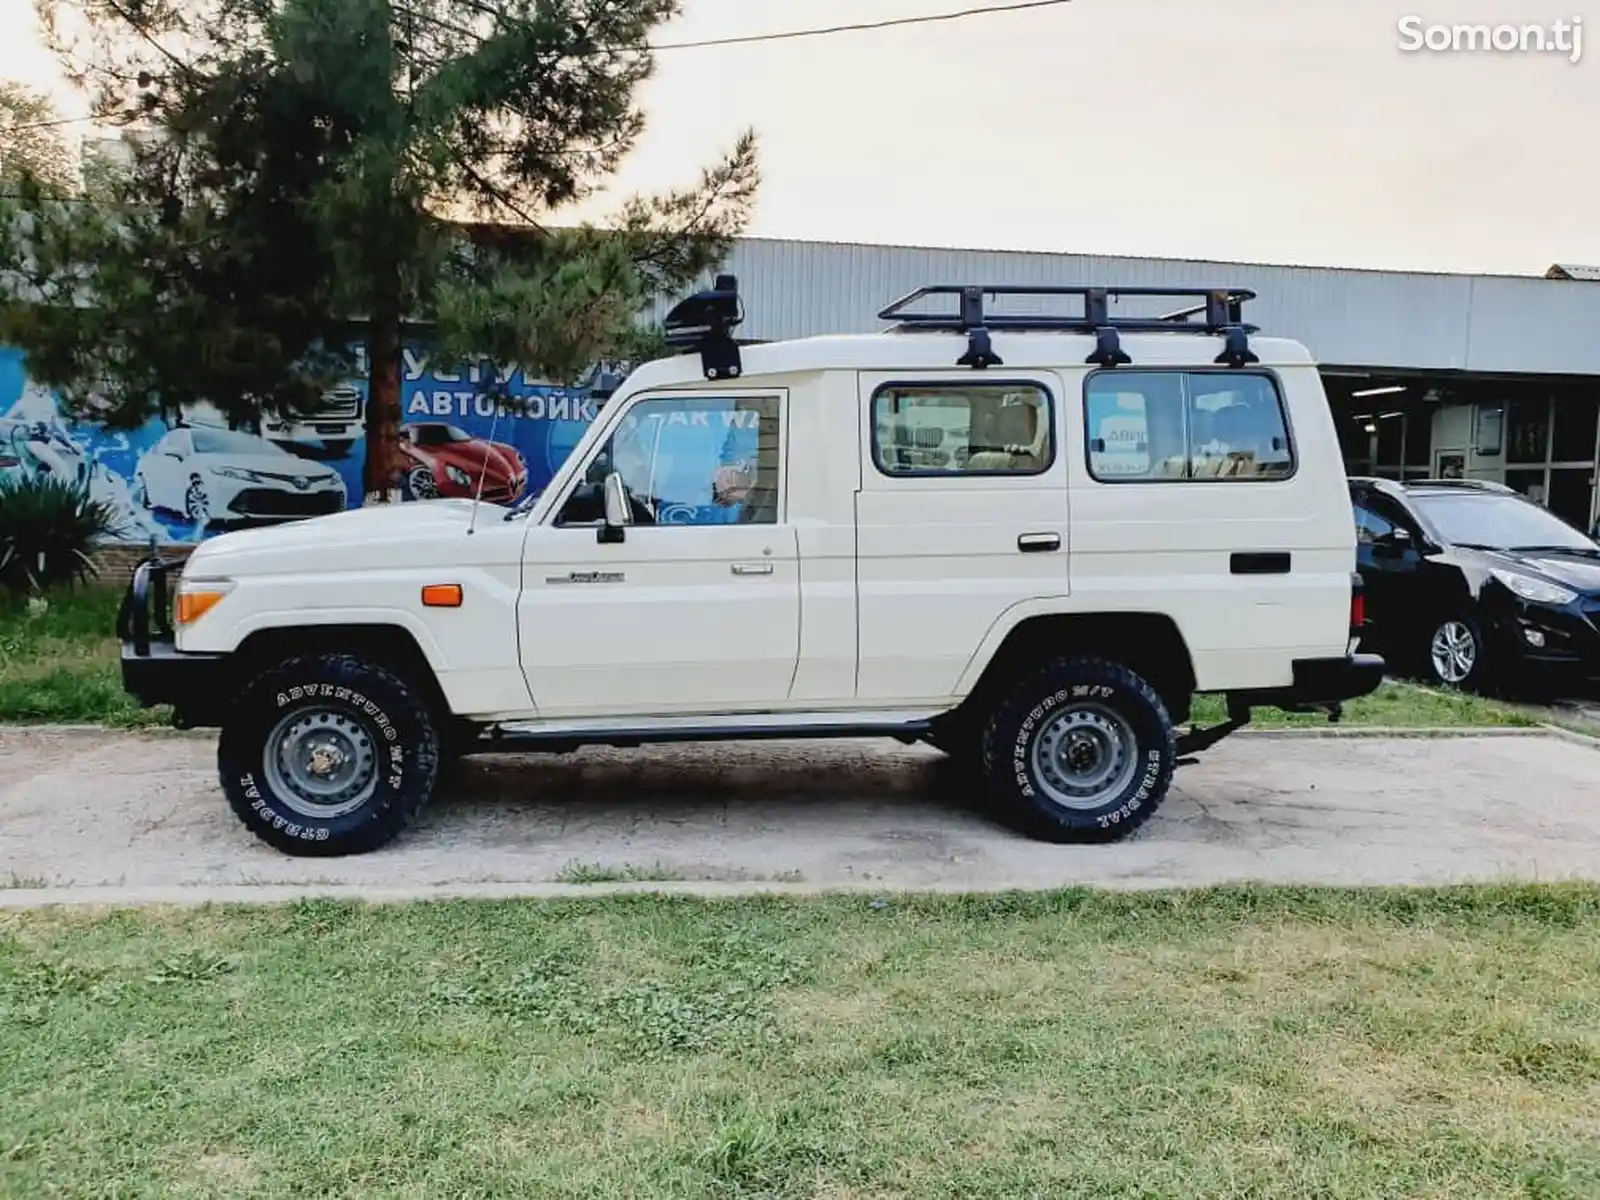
x=1358, y=604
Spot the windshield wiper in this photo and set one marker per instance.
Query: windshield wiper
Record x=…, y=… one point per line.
x=522, y=506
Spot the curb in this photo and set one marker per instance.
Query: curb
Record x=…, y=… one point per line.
x=190, y=896
x=1572, y=735
x=1394, y=731
x=101, y=731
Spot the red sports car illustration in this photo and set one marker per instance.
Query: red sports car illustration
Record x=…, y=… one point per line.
x=442, y=460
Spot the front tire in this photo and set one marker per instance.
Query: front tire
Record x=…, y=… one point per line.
x=420, y=484
x=197, y=503
x=1082, y=750
x=1455, y=655
x=327, y=755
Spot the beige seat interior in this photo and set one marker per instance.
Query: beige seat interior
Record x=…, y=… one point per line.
x=1009, y=437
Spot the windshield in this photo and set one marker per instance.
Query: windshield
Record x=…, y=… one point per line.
x=1499, y=522
x=438, y=435
x=228, y=441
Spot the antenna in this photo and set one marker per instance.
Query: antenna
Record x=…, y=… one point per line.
x=488, y=449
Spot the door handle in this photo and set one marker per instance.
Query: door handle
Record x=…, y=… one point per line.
x=1039, y=543
x=763, y=568
x=1264, y=562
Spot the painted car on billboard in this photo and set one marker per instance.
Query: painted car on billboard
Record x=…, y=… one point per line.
x=192, y=477
x=445, y=460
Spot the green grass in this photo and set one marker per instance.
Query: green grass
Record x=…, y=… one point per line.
x=1395, y=705
x=61, y=664
x=1235, y=1043
x=581, y=872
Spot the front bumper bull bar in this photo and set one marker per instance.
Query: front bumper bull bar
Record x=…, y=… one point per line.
x=154, y=670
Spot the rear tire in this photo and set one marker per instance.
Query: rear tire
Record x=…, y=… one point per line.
x=328, y=755
x=1081, y=750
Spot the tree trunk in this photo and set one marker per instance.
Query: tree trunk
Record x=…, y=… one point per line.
x=382, y=475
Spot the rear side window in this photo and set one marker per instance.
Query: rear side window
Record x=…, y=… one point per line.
x=1185, y=426
x=978, y=429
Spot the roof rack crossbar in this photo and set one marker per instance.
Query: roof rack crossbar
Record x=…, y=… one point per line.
x=1222, y=309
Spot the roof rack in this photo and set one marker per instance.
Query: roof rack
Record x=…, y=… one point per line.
x=1471, y=485
x=1221, y=308
x=704, y=323
x=1466, y=485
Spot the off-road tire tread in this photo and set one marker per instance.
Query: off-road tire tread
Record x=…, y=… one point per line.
x=385, y=822
x=1058, y=825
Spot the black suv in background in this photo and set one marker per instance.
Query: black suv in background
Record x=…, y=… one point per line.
x=1471, y=585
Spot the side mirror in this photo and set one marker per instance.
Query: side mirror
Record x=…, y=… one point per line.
x=619, y=513
x=1396, y=541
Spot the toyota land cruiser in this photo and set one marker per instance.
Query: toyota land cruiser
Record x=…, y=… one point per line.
x=1027, y=539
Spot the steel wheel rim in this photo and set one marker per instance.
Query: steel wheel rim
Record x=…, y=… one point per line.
x=1085, y=756
x=321, y=763
x=1454, y=651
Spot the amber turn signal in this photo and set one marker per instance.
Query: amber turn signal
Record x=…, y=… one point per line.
x=442, y=595
x=191, y=606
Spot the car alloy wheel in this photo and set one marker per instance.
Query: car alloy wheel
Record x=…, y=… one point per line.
x=421, y=483
x=196, y=503
x=1454, y=652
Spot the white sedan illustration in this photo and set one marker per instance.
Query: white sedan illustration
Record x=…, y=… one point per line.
x=211, y=476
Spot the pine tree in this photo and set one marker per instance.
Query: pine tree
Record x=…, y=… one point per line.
x=314, y=168
x=32, y=145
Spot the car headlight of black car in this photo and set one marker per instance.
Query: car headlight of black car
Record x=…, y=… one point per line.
x=1528, y=587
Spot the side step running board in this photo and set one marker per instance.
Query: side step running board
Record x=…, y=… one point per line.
x=556, y=737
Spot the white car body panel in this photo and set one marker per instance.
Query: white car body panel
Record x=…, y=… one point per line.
x=885, y=594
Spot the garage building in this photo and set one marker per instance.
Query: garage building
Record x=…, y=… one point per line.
x=1484, y=376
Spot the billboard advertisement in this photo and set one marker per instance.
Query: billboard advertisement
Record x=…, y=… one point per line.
x=465, y=432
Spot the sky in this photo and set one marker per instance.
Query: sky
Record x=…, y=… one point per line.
x=1289, y=131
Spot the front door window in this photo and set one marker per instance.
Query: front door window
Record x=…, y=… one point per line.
x=693, y=460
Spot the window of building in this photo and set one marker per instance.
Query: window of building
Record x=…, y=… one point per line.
x=697, y=460
x=1569, y=494
x=1528, y=431
x=1572, y=439
x=1391, y=438
x=1418, y=440
x=1163, y=426
x=939, y=429
x=1528, y=481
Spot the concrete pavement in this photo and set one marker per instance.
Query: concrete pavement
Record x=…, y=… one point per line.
x=95, y=816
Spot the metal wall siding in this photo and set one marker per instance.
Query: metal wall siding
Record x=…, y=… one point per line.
x=1350, y=318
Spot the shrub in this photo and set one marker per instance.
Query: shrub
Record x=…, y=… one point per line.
x=48, y=528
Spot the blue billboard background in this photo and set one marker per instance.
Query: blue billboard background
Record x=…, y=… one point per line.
x=193, y=479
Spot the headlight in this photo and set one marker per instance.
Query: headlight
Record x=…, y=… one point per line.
x=458, y=477
x=196, y=597
x=1536, y=590
x=238, y=473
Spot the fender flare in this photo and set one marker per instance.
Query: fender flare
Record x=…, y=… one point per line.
x=1040, y=606
x=278, y=620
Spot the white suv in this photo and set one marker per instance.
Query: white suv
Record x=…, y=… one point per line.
x=1029, y=540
